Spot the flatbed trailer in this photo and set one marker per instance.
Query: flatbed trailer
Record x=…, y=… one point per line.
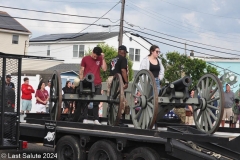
x=89, y=141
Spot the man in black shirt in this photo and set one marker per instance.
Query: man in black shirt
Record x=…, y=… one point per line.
x=119, y=65
x=8, y=82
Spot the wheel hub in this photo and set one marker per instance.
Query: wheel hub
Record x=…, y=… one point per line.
x=143, y=101
x=203, y=104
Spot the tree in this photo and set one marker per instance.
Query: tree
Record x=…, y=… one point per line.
x=178, y=65
x=110, y=53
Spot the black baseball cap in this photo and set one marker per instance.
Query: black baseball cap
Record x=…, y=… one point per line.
x=122, y=47
x=236, y=100
x=8, y=76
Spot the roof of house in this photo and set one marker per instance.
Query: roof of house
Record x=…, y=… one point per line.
x=65, y=67
x=93, y=36
x=9, y=23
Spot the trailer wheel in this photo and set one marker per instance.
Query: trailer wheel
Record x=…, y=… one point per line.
x=68, y=148
x=143, y=153
x=104, y=150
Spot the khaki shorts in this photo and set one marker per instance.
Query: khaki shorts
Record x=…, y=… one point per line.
x=189, y=120
x=227, y=113
x=235, y=118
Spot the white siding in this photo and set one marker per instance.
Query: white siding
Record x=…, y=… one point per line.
x=6, y=45
x=64, y=51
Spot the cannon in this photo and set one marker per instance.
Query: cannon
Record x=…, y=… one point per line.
x=155, y=105
x=84, y=94
x=87, y=85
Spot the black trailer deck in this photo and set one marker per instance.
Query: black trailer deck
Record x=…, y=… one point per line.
x=178, y=142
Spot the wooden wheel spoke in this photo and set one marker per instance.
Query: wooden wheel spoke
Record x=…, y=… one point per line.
x=209, y=119
x=116, y=94
x=144, y=119
x=150, y=105
x=199, y=115
x=211, y=114
x=211, y=106
x=146, y=84
x=141, y=82
x=141, y=119
x=207, y=87
x=150, y=99
x=212, y=100
x=205, y=121
x=203, y=89
x=140, y=90
x=213, y=92
x=149, y=112
x=138, y=115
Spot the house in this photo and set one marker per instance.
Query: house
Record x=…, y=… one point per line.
x=73, y=46
x=14, y=36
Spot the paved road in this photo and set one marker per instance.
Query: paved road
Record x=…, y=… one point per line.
x=33, y=152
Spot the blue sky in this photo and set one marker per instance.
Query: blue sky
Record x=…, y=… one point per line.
x=211, y=22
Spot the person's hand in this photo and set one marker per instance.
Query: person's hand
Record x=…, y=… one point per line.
x=29, y=87
x=102, y=54
x=45, y=102
x=125, y=86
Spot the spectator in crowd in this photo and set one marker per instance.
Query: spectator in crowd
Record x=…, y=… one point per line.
x=27, y=91
x=189, y=111
x=8, y=82
x=67, y=90
x=236, y=111
x=48, y=90
x=229, y=101
x=42, y=98
x=154, y=64
x=91, y=64
x=137, y=109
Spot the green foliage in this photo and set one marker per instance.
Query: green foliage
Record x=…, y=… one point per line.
x=178, y=65
x=111, y=53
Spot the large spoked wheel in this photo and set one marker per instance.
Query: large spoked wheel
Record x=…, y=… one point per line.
x=144, y=105
x=208, y=114
x=55, y=101
x=116, y=109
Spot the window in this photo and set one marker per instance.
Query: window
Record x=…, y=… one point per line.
x=137, y=54
x=134, y=56
x=48, y=50
x=78, y=51
x=131, y=54
x=15, y=39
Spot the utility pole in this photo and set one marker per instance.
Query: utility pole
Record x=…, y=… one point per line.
x=120, y=36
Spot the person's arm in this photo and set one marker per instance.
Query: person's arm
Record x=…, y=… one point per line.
x=124, y=72
x=143, y=65
x=161, y=72
x=81, y=71
x=104, y=65
x=32, y=90
x=13, y=86
x=190, y=108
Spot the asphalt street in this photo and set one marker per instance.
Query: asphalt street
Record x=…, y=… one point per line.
x=35, y=151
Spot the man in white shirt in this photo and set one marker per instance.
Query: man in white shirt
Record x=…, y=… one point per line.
x=48, y=90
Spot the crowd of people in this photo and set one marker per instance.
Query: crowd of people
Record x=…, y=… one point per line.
x=93, y=64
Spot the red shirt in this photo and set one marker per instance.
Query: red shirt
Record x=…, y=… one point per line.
x=27, y=91
x=43, y=95
x=92, y=66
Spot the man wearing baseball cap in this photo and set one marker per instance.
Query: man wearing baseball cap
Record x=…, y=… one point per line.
x=119, y=65
x=229, y=102
x=8, y=82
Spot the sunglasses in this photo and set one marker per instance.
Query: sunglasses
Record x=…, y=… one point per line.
x=158, y=52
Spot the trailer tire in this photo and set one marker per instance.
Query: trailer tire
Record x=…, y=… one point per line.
x=144, y=153
x=69, y=146
x=104, y=149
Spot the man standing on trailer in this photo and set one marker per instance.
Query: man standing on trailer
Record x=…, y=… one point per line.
x=92, y=64
x=119, y=65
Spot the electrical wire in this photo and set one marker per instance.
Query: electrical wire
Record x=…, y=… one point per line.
x=183, y=43
x=180, y=38
x=199, y=11
x=156, y=17
x=56, y=13
x=77, y=2
x=45, y=20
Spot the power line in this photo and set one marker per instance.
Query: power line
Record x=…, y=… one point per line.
x=78, y=2
x=178, y=47
x=132, y=25
x=136, y=41
x=183, y=43
x=200, y=11
x=222, y=68
x=45, y=20
x=100, y=17
x=56, y=13
x=178, y=25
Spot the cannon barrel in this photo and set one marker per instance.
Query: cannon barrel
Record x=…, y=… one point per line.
x=89, y=78
x=180, y=84
x=87, y=84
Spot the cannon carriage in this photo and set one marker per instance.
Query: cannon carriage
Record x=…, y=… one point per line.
x=84, y=93
x=153, y=106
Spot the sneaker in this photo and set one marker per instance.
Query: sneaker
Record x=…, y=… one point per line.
x=85, y=121
x=97, y=122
